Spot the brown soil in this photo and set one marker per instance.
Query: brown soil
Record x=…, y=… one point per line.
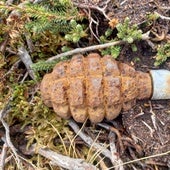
x=148, y=123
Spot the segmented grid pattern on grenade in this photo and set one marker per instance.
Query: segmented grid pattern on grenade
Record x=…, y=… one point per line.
x=93, y=87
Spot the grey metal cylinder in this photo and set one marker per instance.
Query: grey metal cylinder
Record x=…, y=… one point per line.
x=161, y=84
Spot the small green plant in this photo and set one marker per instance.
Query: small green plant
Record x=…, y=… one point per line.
x=163, y=52
x=128, y=33
x=31, y=112
x=43, y=66
x=46, y=66
x=105, y=38
x=114, y=51
x=50, y=16
x=152, y=16
x=56, y=17
x=76, y=33
x=48, y=24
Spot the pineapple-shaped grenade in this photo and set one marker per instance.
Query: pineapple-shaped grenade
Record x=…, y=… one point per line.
x=98, y=87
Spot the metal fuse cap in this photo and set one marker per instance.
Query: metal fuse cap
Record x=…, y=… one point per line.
x=161, y=84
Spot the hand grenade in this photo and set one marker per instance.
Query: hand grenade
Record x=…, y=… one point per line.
x=96, y=87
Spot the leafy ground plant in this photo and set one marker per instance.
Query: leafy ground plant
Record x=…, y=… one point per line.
x=163, y=53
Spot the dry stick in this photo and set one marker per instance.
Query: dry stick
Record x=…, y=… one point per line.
x=26, y=59
x=115, y=157
x=8, y=139
x=90, y=6
x=22, y=52
x=162, y=17
x=9, y=2
x=3, y=156
x=65, y=161
x=90, y=142
x=90, y=25
x=94, y=47
x=100, y=161
x=111, y=128
x=82, y=50
x=4, y=44
x=114, y=151
x=37, y=1
x=29, y=42
x=15, y=65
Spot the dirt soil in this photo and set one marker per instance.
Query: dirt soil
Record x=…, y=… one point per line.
x=148, y=123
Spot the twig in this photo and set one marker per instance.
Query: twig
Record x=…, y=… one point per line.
x=165, y=7
x=161, y=16
x=123, y=2
x=91, y=21
x=151, y=130
x=3, y=156
x=158, y=37
x=29, y=43
x=114, y=151
x=8, y=49
x=89, y=140
x=8, y=139
x=82, y=50
x=65, y=161
x=130, y=142
x=26, y=59
x=111, y=128
x=94, y=47
x=161, y=7
x=37, y=1
x=25, y=76
x=132, y=154
x=15, y=65
x=153, y=116
x=90, y=6
x=4, y=44
x=9, y=2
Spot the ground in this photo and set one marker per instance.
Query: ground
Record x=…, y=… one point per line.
x=148, y=123
x=154, y=138
x=141, y=132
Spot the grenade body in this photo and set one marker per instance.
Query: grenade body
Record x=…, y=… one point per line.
x=94, y=87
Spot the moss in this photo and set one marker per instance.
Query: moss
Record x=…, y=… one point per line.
x=163, y=53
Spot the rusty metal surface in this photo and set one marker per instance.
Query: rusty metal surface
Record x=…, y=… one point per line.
x=93, y=87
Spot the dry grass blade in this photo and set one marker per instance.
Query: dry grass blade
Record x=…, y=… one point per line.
x=144, y=158
x=89, y=140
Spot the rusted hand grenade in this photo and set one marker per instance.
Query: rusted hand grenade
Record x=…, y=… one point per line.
x=94, y=87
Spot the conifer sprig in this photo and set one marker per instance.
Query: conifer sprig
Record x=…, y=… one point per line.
x=52, y=16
